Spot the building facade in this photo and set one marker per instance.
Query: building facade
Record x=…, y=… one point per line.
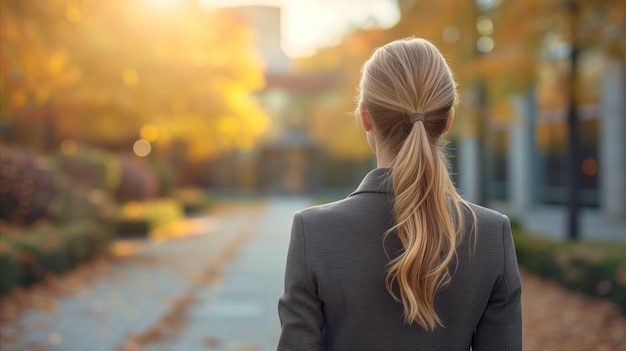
x=524, y=172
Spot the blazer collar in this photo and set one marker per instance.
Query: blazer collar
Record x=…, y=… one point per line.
x=376, y=181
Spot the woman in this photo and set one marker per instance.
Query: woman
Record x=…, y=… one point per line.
x=403, y=263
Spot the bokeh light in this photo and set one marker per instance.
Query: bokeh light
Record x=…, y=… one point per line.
x=485, y=44
x=484, y=25
x=451, y=34
x=130, y=77
x=133, y=209
x=590, y=166
x=142, y=148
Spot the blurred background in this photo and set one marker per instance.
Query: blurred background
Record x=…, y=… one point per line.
x=126, y=122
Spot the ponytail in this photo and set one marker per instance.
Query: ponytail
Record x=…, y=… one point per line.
x=425, y=226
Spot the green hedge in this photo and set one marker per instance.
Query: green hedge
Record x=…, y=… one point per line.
x=596, y=269
x=35, y=252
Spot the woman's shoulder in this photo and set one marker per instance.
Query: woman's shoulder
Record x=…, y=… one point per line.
x=351, y=212
x=492, y=226
x=485, y=213
x=327, y=209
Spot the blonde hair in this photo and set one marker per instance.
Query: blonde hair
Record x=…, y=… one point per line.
x=409, y=92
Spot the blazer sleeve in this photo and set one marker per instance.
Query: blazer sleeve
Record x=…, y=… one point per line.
x=299, y=307
x=500, y=327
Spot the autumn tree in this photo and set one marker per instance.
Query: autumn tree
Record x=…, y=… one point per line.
x=521, y=32
x=109, y=72
x=345, y=139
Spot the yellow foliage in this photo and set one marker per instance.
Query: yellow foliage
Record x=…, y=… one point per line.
x=187, y=67
x=130, y=77
x=72, y=13
x=56, y=63
x=228, y=126
x=164, y=216
x=551, y=137
x=149, y=132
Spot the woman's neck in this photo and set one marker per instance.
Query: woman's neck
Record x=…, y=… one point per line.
x=383, y=157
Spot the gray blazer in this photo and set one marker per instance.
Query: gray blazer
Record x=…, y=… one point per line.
x=335, y=296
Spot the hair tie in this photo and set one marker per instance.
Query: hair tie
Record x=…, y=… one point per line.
x=416, y=116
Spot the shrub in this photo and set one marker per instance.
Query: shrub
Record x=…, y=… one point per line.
x=29, y=254
x=27, y=186
x=596, y=269
x=137, y=181
x=89, y=168
x=64, y=187
x=165, y=176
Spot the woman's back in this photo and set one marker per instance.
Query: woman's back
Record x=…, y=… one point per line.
x=405, y=263
x=337, y=255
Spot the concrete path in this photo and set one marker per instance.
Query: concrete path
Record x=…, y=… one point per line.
x=216, y=290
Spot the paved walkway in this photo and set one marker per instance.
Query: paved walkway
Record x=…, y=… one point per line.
x=218, y=290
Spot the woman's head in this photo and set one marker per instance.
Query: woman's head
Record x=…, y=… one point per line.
x=403, y=79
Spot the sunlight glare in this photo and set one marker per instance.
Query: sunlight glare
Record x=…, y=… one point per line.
x=162, y=3
x=310, y=24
